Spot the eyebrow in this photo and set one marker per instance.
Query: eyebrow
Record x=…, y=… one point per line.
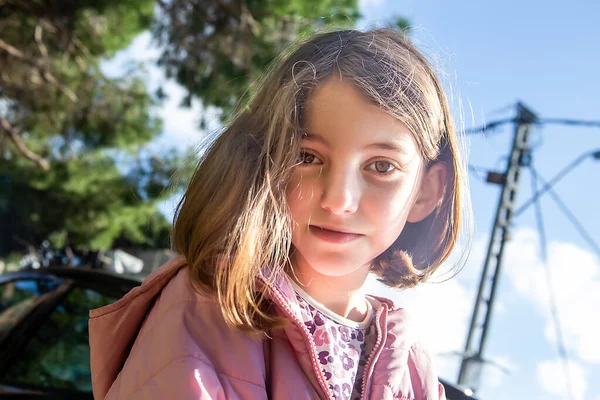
x=391, y=145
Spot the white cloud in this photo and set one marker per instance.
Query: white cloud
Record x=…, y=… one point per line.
x=576, y=284
x=550, y=375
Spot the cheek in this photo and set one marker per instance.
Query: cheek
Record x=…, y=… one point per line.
x=298, y=194
x=388, y=210
x=293, y=192
x=389, y=203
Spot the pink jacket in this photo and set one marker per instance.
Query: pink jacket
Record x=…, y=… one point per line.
x=165, y=341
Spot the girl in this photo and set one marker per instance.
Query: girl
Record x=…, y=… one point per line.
x=344, y=164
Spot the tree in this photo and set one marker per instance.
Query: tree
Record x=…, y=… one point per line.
x=68, y=133
x=216, y=49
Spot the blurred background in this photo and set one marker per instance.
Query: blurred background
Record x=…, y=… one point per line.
x=103, y=104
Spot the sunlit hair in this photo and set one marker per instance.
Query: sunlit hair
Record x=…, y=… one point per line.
x=233, y=223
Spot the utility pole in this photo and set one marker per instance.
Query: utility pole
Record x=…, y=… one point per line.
x=472, y=362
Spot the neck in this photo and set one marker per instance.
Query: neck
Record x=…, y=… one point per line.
x=342, y=295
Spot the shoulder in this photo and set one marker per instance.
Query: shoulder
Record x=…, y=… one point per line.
x=401, y=329
x=184, y=331
x=179, y=290
x=402, y=333
x=405, y=367
x=191, y=323
x=424, y=376
x=418, y=374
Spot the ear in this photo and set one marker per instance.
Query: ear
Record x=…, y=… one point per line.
x=430, y=193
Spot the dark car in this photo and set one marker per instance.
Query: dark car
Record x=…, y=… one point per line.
x=44, y=348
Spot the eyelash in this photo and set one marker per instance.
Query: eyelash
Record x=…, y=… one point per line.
x=304, y=153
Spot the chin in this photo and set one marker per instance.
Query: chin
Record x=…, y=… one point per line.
x=334, y=266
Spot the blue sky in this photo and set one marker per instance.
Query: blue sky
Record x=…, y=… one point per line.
x=491, y=54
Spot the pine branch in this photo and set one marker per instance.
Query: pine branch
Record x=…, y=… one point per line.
x=45, y=73
x=14, y=136
x=38, y=39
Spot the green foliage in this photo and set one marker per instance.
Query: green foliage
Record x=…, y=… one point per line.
x=70, y=137
x=87, y=200
x=216, y=49
x=401, y=23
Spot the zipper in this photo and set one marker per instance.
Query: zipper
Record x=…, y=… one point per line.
x=307, y=338
x=374, y=353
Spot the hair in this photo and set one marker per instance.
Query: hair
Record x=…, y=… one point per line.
x=233, y=222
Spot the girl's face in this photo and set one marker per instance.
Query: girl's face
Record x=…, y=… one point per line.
x=360, y=178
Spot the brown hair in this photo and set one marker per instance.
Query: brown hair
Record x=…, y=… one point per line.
x=233, y=219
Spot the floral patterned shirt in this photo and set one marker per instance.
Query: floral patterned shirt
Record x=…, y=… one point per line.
x=342, y=345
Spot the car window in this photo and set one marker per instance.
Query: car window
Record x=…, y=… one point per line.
x=17, y=297
x=58, y=356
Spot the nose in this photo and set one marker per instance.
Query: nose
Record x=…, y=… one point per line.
x=341, y=191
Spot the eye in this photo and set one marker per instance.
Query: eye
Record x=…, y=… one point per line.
x=308, y=158
x=382, y=167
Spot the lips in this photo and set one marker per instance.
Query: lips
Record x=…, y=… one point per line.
x=333, y=235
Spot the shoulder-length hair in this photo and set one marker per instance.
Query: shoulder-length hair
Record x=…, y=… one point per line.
x=233, y=220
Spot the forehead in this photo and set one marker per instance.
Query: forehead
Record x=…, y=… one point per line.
x=337, y=113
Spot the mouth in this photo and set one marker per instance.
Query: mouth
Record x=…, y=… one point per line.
x=333, y=229
x=333, y=235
